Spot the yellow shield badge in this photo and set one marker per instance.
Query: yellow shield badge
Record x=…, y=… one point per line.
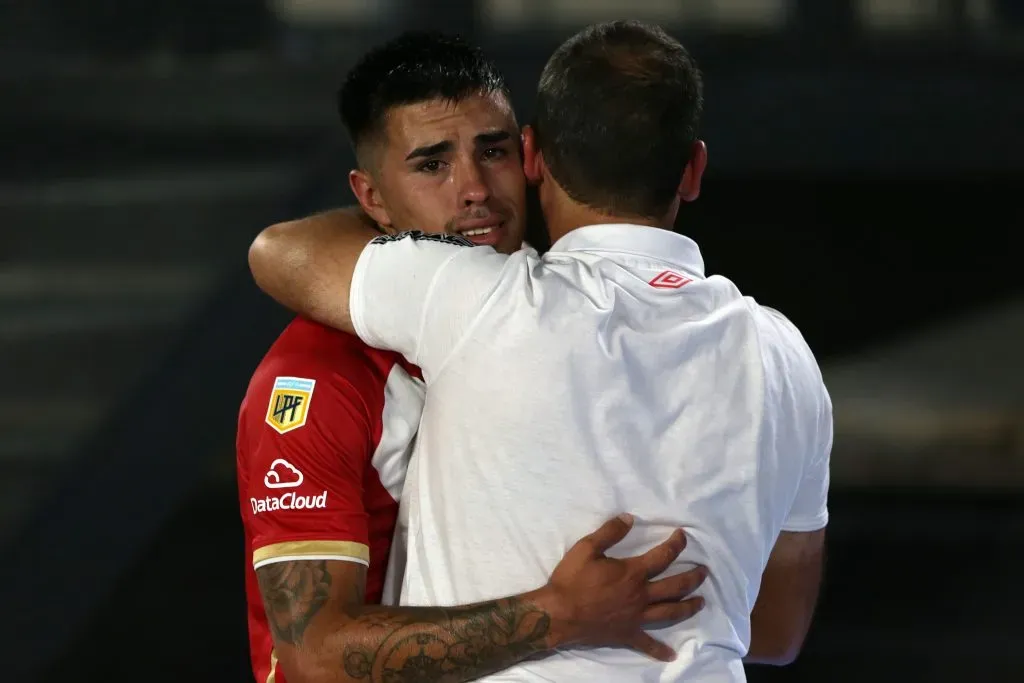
x=289, y=403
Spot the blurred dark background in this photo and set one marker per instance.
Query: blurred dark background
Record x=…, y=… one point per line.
x=867, y=173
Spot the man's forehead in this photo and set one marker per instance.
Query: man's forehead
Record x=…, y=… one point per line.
x=432, y=121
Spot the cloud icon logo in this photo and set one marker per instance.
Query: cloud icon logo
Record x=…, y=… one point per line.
x=282, y=475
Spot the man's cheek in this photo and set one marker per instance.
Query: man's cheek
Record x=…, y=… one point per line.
x=428, y=211
x=514, y=179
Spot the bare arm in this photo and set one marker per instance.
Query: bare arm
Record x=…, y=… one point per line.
x=323, y=632
x=306, y=265
x=789, y=592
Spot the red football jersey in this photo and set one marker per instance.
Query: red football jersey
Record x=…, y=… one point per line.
x=324, y=435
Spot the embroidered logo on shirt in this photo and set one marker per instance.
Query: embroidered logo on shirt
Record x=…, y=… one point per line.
x=669, y=280
x=289, y=403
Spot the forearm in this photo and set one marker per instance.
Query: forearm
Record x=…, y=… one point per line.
x=771, y=633
x=785, y=604
x=324, y=633
x=450, y=644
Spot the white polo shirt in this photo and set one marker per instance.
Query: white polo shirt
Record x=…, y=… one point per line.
x=609, y=375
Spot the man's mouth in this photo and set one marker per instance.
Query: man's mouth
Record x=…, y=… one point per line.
x=476, y=232
x=487, y=232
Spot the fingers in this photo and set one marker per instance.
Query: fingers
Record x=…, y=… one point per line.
x=676, y=586
x=610, y=533
x=671, y=612
x=655, y=649
x=663, y=613
x=657, y=559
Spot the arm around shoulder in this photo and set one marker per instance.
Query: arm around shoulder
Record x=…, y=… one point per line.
x=307, y=265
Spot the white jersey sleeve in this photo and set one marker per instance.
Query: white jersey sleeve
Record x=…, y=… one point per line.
x=417, y=293
x=809, y=511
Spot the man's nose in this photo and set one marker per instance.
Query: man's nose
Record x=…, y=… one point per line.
x=473, y=185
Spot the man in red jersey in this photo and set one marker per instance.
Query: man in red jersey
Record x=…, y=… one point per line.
x=325, y=428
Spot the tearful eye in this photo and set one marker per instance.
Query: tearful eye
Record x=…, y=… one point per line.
x=432, y=166
x=495, y=153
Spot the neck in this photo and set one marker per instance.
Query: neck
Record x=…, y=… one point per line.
x=563, y=215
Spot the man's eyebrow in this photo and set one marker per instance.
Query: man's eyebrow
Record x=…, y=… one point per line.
x=491, y=137
x=430, y=150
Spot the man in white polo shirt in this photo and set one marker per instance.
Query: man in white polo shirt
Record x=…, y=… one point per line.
x=611, y=374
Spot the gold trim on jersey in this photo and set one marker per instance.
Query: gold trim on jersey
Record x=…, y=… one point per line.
x=311, y=550
x=272, y=676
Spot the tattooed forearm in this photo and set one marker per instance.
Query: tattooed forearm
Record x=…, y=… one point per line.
x=443, y=644
x=322, y=629
x=293, y=592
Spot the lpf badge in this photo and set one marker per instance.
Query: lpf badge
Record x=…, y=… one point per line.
x=289, y=403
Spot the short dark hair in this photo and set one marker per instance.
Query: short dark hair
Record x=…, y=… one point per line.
x=417, y=66
x=618, y=106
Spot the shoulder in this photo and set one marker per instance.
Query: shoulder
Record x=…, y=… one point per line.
x=788, y=358
x=785, y=339
x=328, y=356
x=326, y=370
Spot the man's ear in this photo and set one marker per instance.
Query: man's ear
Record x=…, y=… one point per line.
x=533, y=160
x=689, y=186
x=365, y=189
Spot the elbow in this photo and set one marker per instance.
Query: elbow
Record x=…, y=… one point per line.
x=276, y=260
x=780, y=658
x=300, y=667
x=263, y=253
x=782, y=650
x=786, y=650
x=787, y=656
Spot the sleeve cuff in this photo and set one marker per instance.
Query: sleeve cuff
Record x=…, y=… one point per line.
x=806, y=524
x=290, y=551
x=357, y=299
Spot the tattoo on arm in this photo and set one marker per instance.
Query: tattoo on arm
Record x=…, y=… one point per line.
x=293, y=593
x=356, y=642
x=445, y=644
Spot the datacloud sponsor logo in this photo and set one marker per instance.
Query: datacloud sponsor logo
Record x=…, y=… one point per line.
x=284, y=475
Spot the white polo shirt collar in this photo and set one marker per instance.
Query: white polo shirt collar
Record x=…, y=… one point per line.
x=636, y=240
